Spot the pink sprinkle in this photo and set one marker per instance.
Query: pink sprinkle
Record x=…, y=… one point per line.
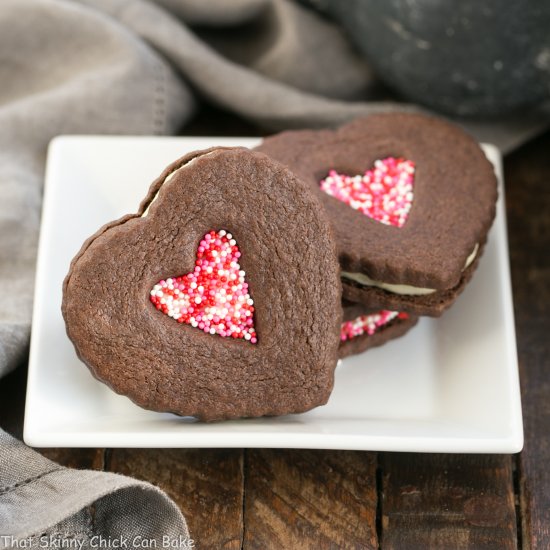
x=368, y=324
x=219, y=305
x=384, y=193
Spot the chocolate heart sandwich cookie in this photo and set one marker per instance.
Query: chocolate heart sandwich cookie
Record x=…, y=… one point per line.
x=217, y=298
x=411, y=199
x=363, y=329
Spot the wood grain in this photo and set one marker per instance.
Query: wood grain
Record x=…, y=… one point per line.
x=206, y=484
x=89, y=459
x=528, y=205
x=299, y=499
x=447, y=501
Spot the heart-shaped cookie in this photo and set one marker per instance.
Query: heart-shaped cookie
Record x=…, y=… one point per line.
x=217, y=299
x=363, y=329
x=422, y=255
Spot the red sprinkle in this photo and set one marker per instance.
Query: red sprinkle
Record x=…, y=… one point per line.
x=368, y=324
x=214, y=297
x=384, y=193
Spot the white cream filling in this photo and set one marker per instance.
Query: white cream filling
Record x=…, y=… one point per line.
x=407, y=290
x=169, y=177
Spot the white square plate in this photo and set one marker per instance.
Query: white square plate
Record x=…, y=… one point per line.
x=450, y=385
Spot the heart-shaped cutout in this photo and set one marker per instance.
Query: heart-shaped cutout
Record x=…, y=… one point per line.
x=383, y=193
x=214, y=297
x=369, y=324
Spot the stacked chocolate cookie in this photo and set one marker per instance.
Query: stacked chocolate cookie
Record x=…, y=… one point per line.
x=411, y=199
x=222, y=296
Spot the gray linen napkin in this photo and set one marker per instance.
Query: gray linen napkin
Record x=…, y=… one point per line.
x=37, y=494
x=128, y=67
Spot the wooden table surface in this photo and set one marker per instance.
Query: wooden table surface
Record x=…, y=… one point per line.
x=293, y=499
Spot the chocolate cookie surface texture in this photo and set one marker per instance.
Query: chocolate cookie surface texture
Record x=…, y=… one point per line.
x=217, y=298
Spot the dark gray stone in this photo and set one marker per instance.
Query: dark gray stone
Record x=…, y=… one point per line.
x=473, y=57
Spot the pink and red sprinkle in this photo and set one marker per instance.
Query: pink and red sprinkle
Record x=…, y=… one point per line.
x=368, y=324
x=384, y=193
x=214, y=297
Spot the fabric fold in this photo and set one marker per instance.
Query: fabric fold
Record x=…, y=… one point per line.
x=55, y=502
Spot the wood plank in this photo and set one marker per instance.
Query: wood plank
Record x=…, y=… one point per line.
x=89, y=459
x=303, y=499
x=527, y=174
x=206, y=484
x=12, y=401
x=447, y=501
